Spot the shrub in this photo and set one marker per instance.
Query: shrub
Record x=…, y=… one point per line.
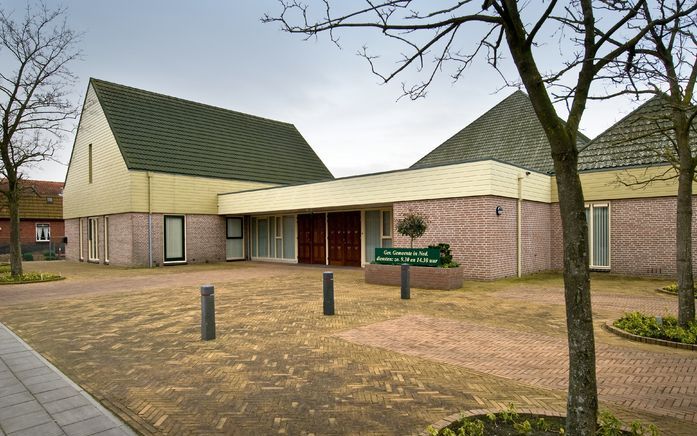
x=27, y=257
x=648, y=326
x=446, y=257
x=50, y=255
x=28, y=277
x=412, y=225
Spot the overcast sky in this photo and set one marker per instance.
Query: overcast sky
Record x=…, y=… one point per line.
x=219, y=53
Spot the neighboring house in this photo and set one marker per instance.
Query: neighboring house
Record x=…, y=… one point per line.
x=146, y=169
x=41, y=218
x=177, y=182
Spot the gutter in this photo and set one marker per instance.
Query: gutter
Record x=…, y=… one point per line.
x=519, y=225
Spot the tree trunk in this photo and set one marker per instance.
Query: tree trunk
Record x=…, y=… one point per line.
x=582, y=400
x=15, y=243
x=686, y=286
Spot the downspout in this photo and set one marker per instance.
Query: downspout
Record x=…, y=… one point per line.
x=519, y=227
x=149, y=221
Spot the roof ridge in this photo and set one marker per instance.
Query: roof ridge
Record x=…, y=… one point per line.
x=183, y=100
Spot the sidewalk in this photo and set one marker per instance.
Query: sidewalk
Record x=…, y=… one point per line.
x=37, y=399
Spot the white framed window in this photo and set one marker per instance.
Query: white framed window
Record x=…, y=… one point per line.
x=386, y=228
x=43, y=233
x=93, y=239
x=106, y=239
x=175, y=238
x=80, y=238
x=598, y=218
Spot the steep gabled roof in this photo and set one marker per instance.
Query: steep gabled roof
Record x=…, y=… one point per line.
x=636, y=140
x=160, y=133
x=509, y=132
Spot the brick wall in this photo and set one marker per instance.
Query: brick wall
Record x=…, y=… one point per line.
x=27, y=235
x=128, y=239
x=642, y=237
x=482, y=242
x=536, y=237
x=419, y=276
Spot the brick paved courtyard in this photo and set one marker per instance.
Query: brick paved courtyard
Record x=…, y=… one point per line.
x=380, y=366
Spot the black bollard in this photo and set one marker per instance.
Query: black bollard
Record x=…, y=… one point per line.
x=207, y=312
x=328, y=292
x=406, y=291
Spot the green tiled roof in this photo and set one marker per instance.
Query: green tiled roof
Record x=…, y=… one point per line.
x=509, y=132
x=159, y=133
x=635, y=140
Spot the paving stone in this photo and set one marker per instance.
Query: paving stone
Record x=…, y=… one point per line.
x=13, y=388
x=46, y=429
x=118, y=431
x=36, y=379
x=11, y=400
x=20, y=409
x=90, y=426
x=56, y=394
x=22, y=422
x=63, y=404
x=46, y=386
x=27, y=373
x=75, y=415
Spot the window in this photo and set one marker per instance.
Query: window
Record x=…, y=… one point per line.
x=89, y=163
x=273, y=237
x=106, y=239
x=598, y=217
x=80, y=237
x=378, y=232
x=234, y=239
x=175, y=240
x=43, y=232
x=92, y=239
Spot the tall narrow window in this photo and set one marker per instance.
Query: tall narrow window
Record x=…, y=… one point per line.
x=80, y=238
x=263, y=237
x=92, y=239
x=598, y=217
x=106, y=239
x=89, y=162
x=175, y=241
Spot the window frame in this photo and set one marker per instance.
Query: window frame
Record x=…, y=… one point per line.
x=93, y=239
x=241, y=237
x=591, y=229
x=175, y=260
x=36, y=232
x=272, y=226
x=384, y=236
x=106, y=239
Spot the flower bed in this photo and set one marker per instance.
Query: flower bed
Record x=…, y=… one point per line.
x=30, y=277
x=658, y=329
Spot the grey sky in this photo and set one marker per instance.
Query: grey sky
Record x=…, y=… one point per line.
x=219, y=53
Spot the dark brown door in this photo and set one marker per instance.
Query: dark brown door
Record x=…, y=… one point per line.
x=312, y=238
x=344, y=238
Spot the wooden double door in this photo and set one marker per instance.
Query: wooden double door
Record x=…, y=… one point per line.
x=339, y=232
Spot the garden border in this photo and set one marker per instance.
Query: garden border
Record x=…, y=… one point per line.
x=54, y=279
x=442, y=423
x=632, y=337
x=674, y=294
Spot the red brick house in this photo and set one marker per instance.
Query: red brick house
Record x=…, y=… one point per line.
x=41, y=218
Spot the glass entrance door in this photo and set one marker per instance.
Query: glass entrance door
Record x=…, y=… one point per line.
x=234, y=242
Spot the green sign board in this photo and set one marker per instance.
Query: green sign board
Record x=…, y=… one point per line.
x=412, y=256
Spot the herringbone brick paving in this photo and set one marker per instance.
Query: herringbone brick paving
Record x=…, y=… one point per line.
x=278, y=366
x=639, y=379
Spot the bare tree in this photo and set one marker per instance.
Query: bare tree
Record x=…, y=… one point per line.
x=445, y=33
x=34, y=105
x=663, y=64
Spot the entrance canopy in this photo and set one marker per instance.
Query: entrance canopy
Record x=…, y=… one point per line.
x=486, y=177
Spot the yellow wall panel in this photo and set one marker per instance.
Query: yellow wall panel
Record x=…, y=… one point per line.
x=459, y=180
x=109, y=191
x=606, y=185
x=174, y=193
